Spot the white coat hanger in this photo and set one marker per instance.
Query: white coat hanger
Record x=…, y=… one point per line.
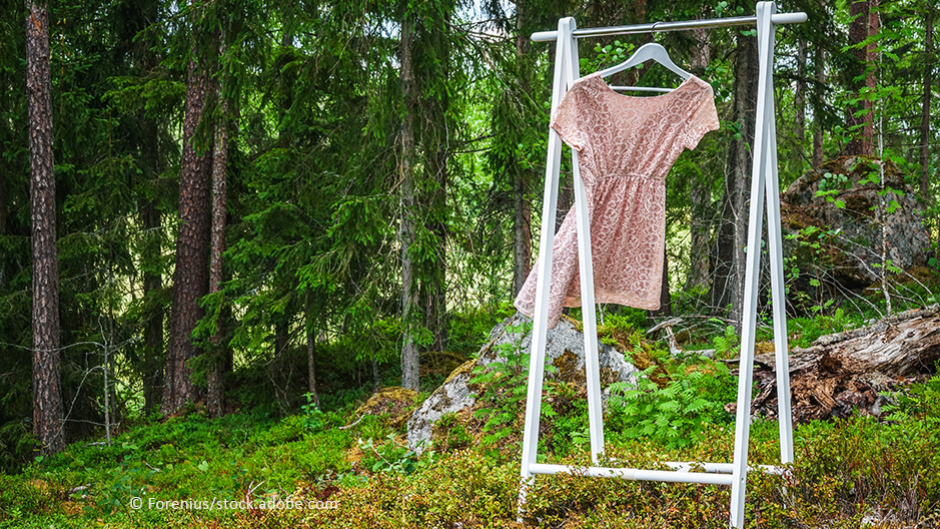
x=646, y=52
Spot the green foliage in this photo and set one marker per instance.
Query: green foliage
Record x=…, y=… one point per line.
x=393, y=457
x=450, y=434
x=920, y=402
x=815, y=326
x=678, y=414
x=314, y=420
x=504, y=387
x=726, y=345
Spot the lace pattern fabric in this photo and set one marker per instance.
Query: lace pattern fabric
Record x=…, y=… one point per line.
x=626, y=146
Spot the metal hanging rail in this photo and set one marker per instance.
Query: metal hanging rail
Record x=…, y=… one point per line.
x=764, y=180
x=653, y=27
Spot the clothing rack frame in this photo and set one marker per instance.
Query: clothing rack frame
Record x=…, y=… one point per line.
x=764, y=180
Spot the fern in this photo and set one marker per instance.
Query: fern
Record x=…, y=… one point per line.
x=676, y=415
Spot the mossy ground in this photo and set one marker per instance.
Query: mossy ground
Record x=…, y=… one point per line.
x=845, y=472
x=855, y=472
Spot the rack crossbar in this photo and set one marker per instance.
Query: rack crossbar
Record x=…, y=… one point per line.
x=634, y=474
x=778, y=18
x=722, y=468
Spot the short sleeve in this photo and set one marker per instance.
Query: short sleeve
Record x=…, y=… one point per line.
x=703, y=120
x=567, y=116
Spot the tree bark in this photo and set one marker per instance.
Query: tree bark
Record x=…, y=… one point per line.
x=818, y=145
x=47, y=395
x=665, y=302
x=799, y=101
x=191, y=277
x=700, y=199
x=845, y=373
x=311, y=354
x=153, y=329
x=864, y=24
x=409, y=301
x=728, y=286
x=521, y=210
x=436, y=142
x=215, y=376
x=925, y=109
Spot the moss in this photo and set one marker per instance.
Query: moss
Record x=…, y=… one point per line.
x=440, y=362
x=466, y=367
x=639, y=351
x=763, y=348
x=394, y=401
x=567, y=366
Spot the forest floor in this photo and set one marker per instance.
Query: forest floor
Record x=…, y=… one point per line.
x=340, y=468
x=855, y=472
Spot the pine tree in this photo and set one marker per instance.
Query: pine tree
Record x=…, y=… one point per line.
x=47, y=396
x=191, y=276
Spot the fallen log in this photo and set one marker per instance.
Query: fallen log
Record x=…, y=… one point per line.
x=845, y=373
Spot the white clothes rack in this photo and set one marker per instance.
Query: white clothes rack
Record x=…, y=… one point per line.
x=764, y=179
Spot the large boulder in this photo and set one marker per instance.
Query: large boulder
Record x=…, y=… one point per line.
x=835, y=227
x=565, y=351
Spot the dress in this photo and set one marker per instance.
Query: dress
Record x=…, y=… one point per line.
x=626, y=146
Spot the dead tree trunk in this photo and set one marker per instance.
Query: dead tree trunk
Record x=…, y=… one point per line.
x=843, y=372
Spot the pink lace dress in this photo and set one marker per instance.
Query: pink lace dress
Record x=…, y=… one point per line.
x=626, y=146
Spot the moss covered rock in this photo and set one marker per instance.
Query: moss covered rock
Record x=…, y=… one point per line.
x=834, y=226
x=508, y=340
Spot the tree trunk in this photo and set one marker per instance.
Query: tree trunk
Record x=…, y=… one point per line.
x=215, y=376
x=665, y=302
x=3, y=205
x=700, y=188
x=871, y=79
x=799, y=101
x=845, y=373
x=864, y=24
x=925, y=110
x=153, y=329
x=191, y=277
x=311, y=355
x=150, y=218
x=521, y=210
x=409, y=301
x=728, y=286
x=47, y=395
x=522, y=232
x=436, y=141
x=818, y=145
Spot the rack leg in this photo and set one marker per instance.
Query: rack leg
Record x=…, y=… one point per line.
x=530, y=433
x=586, y=270
x=778, y=289
x=765, y=30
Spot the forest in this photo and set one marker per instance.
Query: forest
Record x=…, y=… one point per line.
x=249, y=247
